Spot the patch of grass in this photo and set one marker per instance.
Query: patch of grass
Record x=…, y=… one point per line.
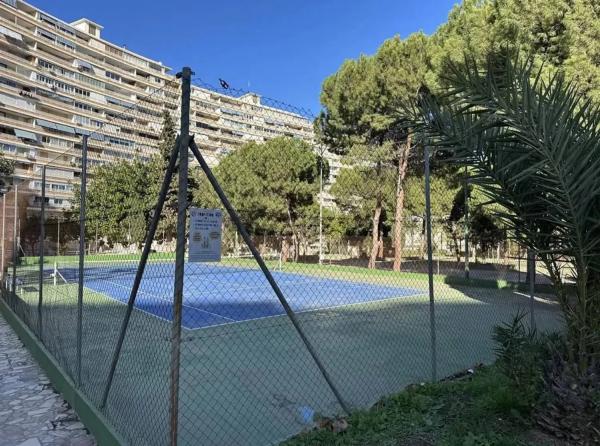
x=480, y=410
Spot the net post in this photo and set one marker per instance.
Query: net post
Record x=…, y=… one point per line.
x=248, y=240
x=141, y=267
x=41, y=257
x=430, y=267
x=82, y=214
x=186, y=81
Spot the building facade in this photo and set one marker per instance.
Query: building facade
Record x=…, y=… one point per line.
x=59, y=81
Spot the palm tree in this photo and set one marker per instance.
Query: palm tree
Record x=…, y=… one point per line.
x=530, y=140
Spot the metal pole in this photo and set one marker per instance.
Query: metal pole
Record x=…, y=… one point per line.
x=531, y=258
x=42, y=239
x=467, y=228
x=290, y=313
x=58, y=237
x=518, y=259
x=186, y=76
x=3, y=232
x=82, y=206
x=321, y=209
x=430, y=267
x=438, y=242
x=15, y=247
x=141, y=266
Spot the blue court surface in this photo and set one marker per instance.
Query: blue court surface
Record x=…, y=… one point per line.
x=216, y=294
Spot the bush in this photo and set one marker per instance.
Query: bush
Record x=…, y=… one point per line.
x=520, y=356
x=570, y=404
x=566, y=401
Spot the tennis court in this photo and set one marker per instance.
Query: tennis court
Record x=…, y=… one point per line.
x=371, y=329
x=219, y=294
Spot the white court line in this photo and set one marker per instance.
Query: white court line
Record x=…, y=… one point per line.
x=234, y=321
x=538, y=299
x=166, y=300
x=333, y=307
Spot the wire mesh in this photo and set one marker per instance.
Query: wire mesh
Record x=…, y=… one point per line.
x=252, y=371
x=480, y=273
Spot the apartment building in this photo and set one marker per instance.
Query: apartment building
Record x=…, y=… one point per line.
x=59, y=81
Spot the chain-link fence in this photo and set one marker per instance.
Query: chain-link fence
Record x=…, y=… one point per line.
x=290, y=303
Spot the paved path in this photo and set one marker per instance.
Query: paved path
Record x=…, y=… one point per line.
x=31, y=412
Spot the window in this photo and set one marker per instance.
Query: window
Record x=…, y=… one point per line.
x=56, y=142
x=82, y=92
x=47, y=35
x=113, y=76
x=8, y=82
x=83, y=120
x=66, y=43
x=65, y=29
x=47, y=20
x=120, y=142
x=118, y=102
x=44, y=64
x=83, y=106
x=10, y=148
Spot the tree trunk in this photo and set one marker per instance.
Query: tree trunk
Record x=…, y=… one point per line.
x=285, y=249
x=402, y=168
x=295, y=241
x=375, y=246
x=456, y=243
x=422, y=239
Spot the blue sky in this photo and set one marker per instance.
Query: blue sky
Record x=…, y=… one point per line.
x=279, y=48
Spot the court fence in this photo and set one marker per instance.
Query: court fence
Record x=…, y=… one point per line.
x=247, y=333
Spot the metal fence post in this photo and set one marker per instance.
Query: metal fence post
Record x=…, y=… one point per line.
x=430, y=267
x=321, y=206
x=82, y=205
x=467, y=228
x=531, y=260
x=186, y=80
x=3, y=234
x=41, y=259
x=15, y=247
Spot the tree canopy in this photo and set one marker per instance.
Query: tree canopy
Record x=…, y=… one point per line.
x=272, y=185
x=364, y=101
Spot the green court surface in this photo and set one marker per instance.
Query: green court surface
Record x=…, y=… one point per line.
x=254, y=382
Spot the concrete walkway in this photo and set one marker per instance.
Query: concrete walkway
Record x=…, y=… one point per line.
x=31, y=412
